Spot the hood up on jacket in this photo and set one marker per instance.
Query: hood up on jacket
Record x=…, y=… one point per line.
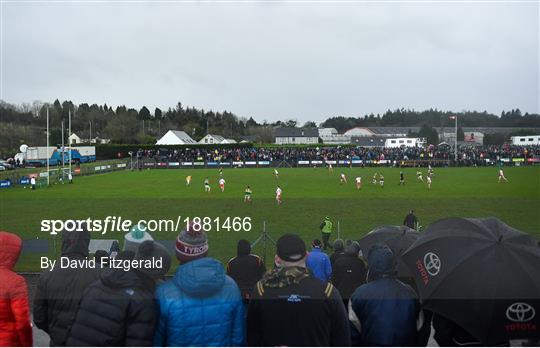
x=118, y=277
x=75, y=242
x=201, y=277
x=243, y=248
x=339, y=246
x=11, y=246
x=381, y=262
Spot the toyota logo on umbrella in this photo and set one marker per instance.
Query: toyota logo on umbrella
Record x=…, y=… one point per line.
x=432, y=263
x=520, y=312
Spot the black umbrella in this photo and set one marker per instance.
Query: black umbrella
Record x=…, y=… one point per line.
x=481, y=274
x=398, y=238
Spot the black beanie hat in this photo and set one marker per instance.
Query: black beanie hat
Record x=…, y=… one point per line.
x=149, y=250
x=291, y=248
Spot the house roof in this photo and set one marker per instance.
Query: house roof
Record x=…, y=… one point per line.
x=216, y=137
x=440, y=130
x=297, y=132
x=175, y=137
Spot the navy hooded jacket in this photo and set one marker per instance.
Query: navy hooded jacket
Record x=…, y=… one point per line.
x=384, y=311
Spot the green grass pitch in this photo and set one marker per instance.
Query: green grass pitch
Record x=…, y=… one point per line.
x=309, y=194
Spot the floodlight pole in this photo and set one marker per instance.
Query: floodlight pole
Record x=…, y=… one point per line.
x=63, y=151
x=455, y=143
x=48, y=149
x=69, y=141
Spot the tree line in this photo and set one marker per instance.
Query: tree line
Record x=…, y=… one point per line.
x=26, y=123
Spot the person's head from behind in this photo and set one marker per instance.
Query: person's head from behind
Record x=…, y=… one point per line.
x=10, y=250
x=411, y=211
x=381, y=262
x=316, y=243
x=339, y=245
x=101, y=255
x=353, y=249
x=155, y=254
x=290, y=251
x=243, y=247
x=191, y=244
x=76, y=241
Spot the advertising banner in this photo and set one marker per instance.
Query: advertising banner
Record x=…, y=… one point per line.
x=5, y=183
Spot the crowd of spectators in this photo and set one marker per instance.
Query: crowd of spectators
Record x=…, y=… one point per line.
x=467, y=155
x=304, y=299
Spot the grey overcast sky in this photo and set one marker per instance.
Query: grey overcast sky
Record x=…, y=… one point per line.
x=275, y=60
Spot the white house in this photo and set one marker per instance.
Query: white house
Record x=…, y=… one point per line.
x=228, y=141
x=526, y=140
x=174, y=137
x=296, y=136
x=75, y=139
x=404, y=142
x=212, y=139
x=331, y=136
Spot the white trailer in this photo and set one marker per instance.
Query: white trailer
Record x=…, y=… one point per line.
x=404, y=142
x=526, y=140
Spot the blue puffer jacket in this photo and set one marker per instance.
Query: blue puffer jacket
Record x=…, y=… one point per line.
x=200, y=306
x=319, y=264
x=384, y=311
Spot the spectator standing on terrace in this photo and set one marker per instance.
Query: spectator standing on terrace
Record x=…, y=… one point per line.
x=318, y=262
x=246, y=269
x=59, y=291
x=410, y=220
x=127, y=298
x=349, y=272
x=384, y=312
x=339, y=251
x=201, y=305
x=15, y=328
x=290, y=307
